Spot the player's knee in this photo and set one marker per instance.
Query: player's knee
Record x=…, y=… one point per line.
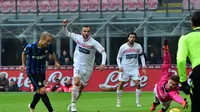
x=137, y=85
x=120, y=86
x=42, y=91
x=77, y=81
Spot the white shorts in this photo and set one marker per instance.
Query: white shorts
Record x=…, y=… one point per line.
x=129, y=73
x=83, y=74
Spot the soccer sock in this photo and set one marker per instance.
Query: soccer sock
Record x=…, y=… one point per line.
x=78, y=95
x=36, y=99
x=163, y=109
x=138, y=91
x=74, y=93
x=46, y=102
x=156, y=103
x=119, y=94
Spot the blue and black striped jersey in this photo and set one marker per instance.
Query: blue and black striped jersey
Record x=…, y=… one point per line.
x=36, y=58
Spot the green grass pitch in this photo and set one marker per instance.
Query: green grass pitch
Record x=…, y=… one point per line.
x=89, y=102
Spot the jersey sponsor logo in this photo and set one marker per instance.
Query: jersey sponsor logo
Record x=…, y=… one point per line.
x=83, y=50
x=39, y=57
x=130, y=56
x=86, y=46
x=131, y=51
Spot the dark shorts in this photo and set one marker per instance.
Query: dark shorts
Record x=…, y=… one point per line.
x=37, y=80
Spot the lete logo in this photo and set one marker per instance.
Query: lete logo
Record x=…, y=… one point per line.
x=113, y=78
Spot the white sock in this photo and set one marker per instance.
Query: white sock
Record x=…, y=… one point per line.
x=78, y=95
x=119, y=94
x=138, y=91
x=74, y=93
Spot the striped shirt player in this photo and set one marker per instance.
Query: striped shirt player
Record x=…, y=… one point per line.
x=34, y=57
x=36, y=63
x=84, y=56
x=127, y=60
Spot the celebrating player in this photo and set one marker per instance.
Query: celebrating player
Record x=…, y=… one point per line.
x=127, y=60
x=84, y=57
x=167, y=89
x=35, y=54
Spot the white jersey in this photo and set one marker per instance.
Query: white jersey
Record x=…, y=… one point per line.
x=84, y=54
x=129, y=55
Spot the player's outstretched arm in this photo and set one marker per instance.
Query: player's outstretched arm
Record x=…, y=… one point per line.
x=177, y=98
x=66, y=32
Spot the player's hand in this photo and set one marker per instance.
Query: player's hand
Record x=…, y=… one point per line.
x=120, y=69
x=57, y=65
x=185, y=87
x=22, y=68
x=65, y=22
x=101, y=67
x=144, y=71
x=185, y=104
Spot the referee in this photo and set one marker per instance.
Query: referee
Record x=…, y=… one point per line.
x=34, y=58
x=189, y=46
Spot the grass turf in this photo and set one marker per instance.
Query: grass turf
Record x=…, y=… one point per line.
x=89, y=102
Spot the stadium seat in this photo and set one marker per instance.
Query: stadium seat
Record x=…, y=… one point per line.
x=33, y=6
x=132, y=5
x=13, y=6
x=104, y=5
x=43, y=6
x=5, y=6
x=125, y=4
x=185, y=4
x=196, y=4
x=140, y=4
x=53, y=5
x=24, y=6
x=112, y=5
x=73, y=5
x=84, y=5
x=152, y=4
x=64, y=5
x=93, y=5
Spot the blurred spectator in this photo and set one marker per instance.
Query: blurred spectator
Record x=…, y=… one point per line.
x=152, y=59
x=57, y=86
x=65, y=58
x=13, y=87
x=67, y=85
x=50, y=60
x=4, y=83
x=48, y=86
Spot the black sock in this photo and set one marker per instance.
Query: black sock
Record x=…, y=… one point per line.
x=36, y=99
x=156, y=103
x=164, y=110
x=46, y=102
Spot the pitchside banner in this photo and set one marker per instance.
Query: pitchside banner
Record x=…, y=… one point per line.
x=98, y=80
